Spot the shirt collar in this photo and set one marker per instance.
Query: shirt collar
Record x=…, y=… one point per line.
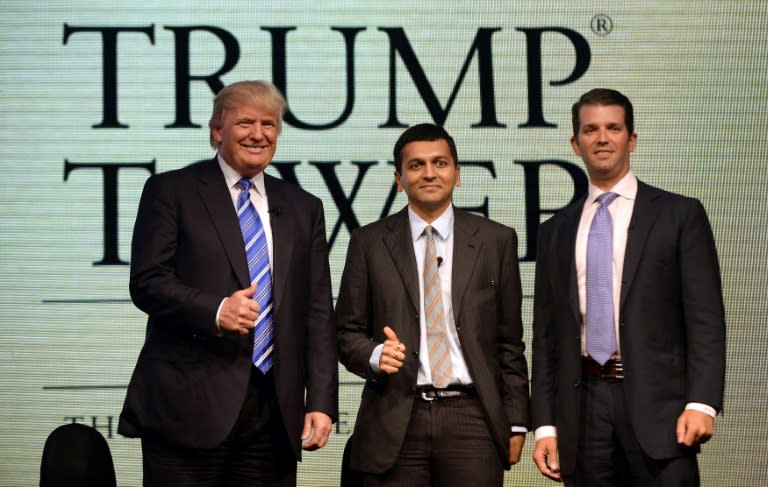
x=443, y=224
x=625, y=188
x=232, y=177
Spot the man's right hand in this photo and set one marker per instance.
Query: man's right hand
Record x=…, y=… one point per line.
x=239, y=312
x=545, y=456
x=392, y=354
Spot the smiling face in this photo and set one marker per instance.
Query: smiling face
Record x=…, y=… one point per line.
x=429, y=174
x=246, y=138
x=604, y=143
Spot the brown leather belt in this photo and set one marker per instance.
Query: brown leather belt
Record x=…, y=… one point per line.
x=429, y=393
x=612, y=370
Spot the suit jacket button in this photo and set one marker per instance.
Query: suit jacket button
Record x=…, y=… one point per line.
x=577, y=384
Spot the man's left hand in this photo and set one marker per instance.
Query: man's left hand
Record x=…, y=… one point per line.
x=694, y=427
x=516, y=447
x=317, y=429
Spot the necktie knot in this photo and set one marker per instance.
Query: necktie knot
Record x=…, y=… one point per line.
x=606, y=199
x=430, y=232
x=244, y=184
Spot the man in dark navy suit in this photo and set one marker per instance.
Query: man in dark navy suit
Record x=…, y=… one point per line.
x=628, y=403
x=206, y=414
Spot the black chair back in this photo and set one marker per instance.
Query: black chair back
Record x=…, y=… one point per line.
x=76, y=455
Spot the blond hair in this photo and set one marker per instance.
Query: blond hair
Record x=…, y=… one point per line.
x=258, y=92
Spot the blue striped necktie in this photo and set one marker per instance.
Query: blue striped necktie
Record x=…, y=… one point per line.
x=257, y=253
x=601, y=331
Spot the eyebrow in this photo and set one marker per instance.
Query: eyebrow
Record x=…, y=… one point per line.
x=607, y=124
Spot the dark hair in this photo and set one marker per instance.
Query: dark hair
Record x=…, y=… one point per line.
x=422, y=131
x=604, y=96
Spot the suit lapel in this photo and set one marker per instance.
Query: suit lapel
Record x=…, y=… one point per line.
x=283, y=225
x=399, y=242
x=466, y=248
x=567, y=252
x=218, y=201
x=644, y=215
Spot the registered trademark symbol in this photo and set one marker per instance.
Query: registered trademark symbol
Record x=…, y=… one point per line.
x=601, y=24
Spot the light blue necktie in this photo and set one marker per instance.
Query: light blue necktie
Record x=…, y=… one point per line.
x=601, y=332
x=257, y=253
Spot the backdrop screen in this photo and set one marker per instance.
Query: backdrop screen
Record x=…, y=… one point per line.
x=98, y=95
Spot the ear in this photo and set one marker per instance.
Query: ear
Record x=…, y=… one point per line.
x=632, y=142
x=458, y=176
x=575, y=146
x=216, y=133
x=398, y=182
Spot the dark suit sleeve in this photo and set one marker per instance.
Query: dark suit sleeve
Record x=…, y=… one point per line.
x=353, y=309
x=511, y=348
x=155, y=283
x=703, y=309
x=543, y=383
x=322, y=363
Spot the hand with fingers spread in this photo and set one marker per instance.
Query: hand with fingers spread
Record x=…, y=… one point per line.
x=392, y=354
x=239, y=311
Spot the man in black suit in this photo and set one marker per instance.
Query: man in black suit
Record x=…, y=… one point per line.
x=211, y=410
x=429, y=314
x=628, y=403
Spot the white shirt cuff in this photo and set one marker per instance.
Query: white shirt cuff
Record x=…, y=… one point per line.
x=544, y=432
x=218, y=311
x=697, y=406
x=375, y=357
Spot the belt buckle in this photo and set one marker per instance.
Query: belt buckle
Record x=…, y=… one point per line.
x=615, y=371
x=427, y=396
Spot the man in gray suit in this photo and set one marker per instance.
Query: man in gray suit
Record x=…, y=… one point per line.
x=630, y=402
x=429, y=314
